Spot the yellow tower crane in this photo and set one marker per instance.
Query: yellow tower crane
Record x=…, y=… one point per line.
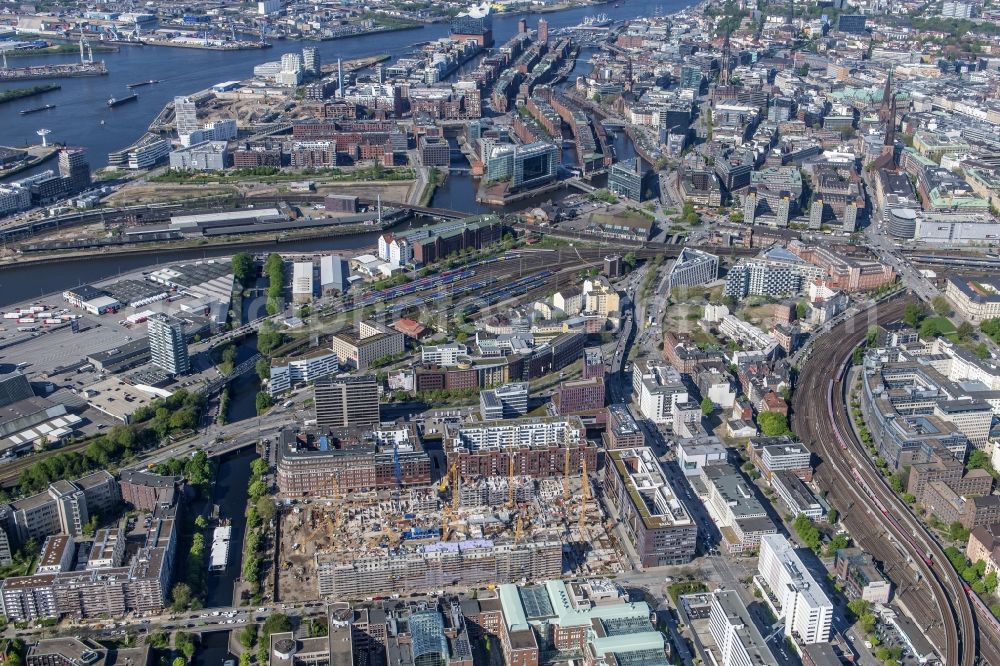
x=510, y=481
x=456, y=486
x=566, y=476
x=518, y=528
x=583, y=473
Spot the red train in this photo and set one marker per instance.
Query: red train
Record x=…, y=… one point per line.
x=978, y=603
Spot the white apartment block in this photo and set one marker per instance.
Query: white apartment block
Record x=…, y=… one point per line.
x=14, y=198
x=746, y=333
x=397, y=251
x=289, y=372
x=302, y=281
x=658, y=387
x=443, y=355
x=517, y=433
x=792, y=592
x=737, y=638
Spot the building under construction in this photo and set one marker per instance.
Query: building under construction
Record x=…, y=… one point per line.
x=536, y=446
x=436, y=565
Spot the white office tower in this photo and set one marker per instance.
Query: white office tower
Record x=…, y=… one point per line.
x=167, y=344
x=792, y=592
x=737, y=638
x=186, y=117
x=340, y=77
x=291, y=70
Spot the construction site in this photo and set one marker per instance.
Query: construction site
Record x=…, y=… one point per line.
x=460, y=532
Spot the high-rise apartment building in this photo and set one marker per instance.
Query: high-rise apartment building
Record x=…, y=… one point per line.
x=792, y=592
x=346, y=402
x=71, y=505
x=737, y=638
x=311, y=61
x=74, y=169
x=167, y=344
x=186, y=116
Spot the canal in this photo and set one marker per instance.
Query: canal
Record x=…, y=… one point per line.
x=81, y=104
x=213, y=650
x=230, y=494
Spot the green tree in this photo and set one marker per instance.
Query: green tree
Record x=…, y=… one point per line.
x=859, y=607
x=258, y=468
x=965, y=331
x=200, y=522
x=838, y=542
x=913, y=314
x=263, y=402
x=773, y=424
x=184, y=643
x=941, y=306
x=245, y=659
x=181, y=595
x=629, y=260
x=263, y=368
x=807, y=532
x=275, y=624
x=958, y=533
x=832, y=516
x=158, y=639
x=801, y=309
x=872, y=336
x=707, y=406
x=978, y=459
x=257, y=489
x=248, y=636
x=243, y=268
x=179, y=661
x=265, y=509
x=991, y=327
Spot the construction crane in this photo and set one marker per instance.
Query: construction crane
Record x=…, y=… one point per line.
x=518, y=527
x=583, y=473
x=566, y=476
x=510, y=481
x=398, y=472
x=456, y=487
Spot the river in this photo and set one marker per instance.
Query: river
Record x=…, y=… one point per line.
x=81, y=104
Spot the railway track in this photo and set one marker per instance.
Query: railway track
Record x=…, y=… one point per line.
x=880, y=522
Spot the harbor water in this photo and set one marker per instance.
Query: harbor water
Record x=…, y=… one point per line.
x=81, y=103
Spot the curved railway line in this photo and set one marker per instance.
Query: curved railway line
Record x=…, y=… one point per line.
x=879, y=521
